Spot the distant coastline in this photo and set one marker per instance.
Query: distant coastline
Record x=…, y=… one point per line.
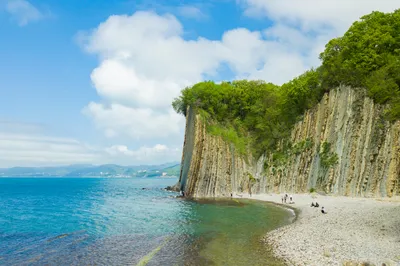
x=168, y=170
x=77, y=177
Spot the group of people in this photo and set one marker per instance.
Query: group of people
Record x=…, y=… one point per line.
x=316, y=205
x=286, y=197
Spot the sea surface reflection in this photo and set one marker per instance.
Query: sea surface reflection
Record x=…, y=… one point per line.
x=99, y=221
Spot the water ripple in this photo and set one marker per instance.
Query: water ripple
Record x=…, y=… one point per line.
x=115, y=222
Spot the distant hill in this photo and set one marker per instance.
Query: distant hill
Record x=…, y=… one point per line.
x=173, y=170
x=85, y=170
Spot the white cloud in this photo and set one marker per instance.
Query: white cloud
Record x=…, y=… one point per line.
x=191, y=12
x=27, y=144
x=157, y=154
x=317, y=14
x=302, y=28
x=34, y=150
x=118, y=81
x=197, y=10
x=138, y=123
x=23, y=11
x=41, y=150
x=9, y=126
x=145, y=60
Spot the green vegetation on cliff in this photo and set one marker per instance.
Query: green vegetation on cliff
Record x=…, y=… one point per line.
x=251, y=113
x=259, y=115
x=368, y=56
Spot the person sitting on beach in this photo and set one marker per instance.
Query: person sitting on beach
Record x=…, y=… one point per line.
x=312, y=204
x=323, y=211
x=316, y=205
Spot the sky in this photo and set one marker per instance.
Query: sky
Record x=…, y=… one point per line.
x=85, y=81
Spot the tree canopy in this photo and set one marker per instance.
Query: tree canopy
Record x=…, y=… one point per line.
x=258, y=114
x=368, y=56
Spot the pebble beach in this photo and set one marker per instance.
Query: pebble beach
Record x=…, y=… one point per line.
x=355, y=231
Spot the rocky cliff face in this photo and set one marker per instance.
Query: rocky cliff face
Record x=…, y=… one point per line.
x=211, y=167
x=342, y=146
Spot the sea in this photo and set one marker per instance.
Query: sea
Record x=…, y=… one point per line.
x=129, y=221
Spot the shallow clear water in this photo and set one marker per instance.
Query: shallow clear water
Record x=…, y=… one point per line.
x=99, y=221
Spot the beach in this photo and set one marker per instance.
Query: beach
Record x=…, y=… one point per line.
x=355, y=231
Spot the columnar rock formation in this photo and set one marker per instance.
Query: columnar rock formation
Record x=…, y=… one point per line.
x=211, y=167
x=342, y=146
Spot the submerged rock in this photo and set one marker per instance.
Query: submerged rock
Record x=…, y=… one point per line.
x=174, y=188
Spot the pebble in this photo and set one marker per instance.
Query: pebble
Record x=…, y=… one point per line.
x=351, y=232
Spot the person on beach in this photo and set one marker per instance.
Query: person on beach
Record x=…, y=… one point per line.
x=291, y=199
x=282, y=199
x=323, y=211
x=316, y=205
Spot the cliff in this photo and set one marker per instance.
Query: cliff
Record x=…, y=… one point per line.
x=211, y=167
x=342, y=146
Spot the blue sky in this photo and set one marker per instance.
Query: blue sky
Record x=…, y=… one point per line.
x=92, y=81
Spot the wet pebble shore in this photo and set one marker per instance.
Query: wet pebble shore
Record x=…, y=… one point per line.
x=355, y=231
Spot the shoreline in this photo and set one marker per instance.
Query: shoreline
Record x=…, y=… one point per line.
x=355, y=231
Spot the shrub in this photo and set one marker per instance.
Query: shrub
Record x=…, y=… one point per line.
x=328, y=158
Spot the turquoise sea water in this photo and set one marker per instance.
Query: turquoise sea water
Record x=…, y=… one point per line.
x=99, y=221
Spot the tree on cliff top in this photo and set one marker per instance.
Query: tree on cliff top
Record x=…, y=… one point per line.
x=368, y=55
x=261, y=114
x=252, y=114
